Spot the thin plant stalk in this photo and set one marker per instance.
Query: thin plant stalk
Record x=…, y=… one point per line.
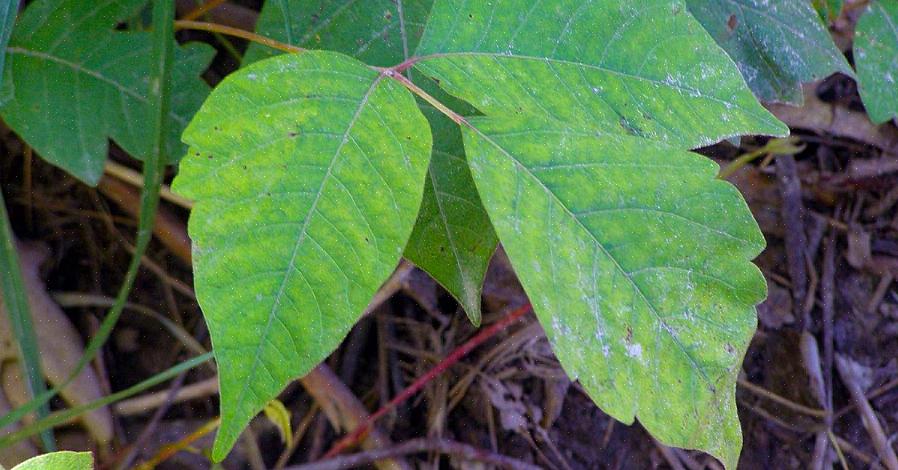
x=15, y=299
x=64, y=416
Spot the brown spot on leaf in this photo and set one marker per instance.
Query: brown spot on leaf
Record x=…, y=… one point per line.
x=732, y=23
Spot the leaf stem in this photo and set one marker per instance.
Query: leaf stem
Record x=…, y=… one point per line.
x=396, y=74
x=238, y=33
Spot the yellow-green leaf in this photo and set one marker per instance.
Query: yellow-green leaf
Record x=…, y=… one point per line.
x=307, y=171
x=58, y=461
x=635, y=257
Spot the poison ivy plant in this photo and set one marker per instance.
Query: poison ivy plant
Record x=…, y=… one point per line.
x=58, y=460
x=453, y=239
x=876, y=59
x=777, y=44
x=308, y=170
x=72, y=82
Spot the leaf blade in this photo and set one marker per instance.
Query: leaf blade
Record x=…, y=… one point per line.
x=339, y=219
x=441, y=243
x=453, y=239
x=622, y=240
x=84, y=94
x=61, y=459
x=569, y=302
x=777, y=45
x=876, y=56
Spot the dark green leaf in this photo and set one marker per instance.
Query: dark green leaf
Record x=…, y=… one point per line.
x=377, y=32
x=8, y=11
x=72, y=83
x=876, y=58
x=453, y=239
x=777, y=44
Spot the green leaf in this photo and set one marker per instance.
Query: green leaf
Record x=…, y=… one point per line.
x=829, y=10
x=635, y=257
x=307, y=171
x=72, y=82
x=59, y=460
x=777, y=44
x=876, y=58
x=377, y=32
x=8, y=11
x=453, y=239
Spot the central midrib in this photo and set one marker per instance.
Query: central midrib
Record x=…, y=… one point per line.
x=300, y=237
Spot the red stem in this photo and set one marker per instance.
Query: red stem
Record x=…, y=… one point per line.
x=350, y=439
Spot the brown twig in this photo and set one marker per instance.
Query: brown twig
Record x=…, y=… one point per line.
x=764, y=393
x=868, y=416
x=415, y=446
x=344, y=410
x=238, y=33
x=168, y=451
x=796, y=240
x=151, y=401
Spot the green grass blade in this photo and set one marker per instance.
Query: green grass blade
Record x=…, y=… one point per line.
x=154, y=164
x=15, y=299
x=64, y=416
